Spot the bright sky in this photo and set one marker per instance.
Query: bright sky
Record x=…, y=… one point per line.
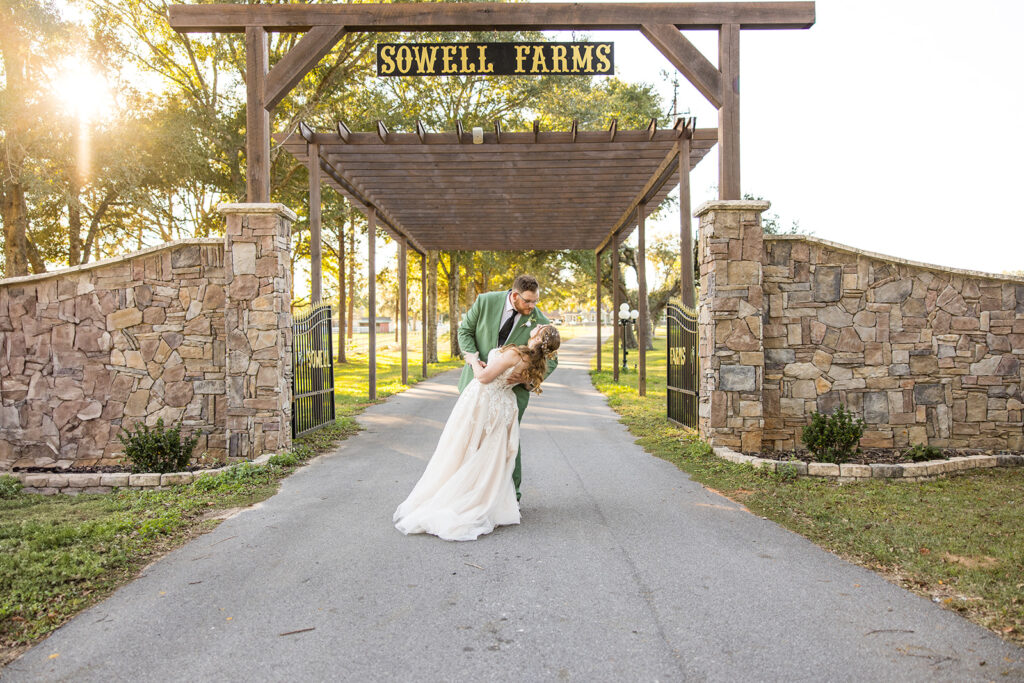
x=893, y=126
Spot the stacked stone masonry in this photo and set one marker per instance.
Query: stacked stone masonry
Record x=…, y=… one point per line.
x=90, y=351
x=924, y=354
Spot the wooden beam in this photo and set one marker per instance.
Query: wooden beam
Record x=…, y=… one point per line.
x=421, y=132
x=652, y=128
x=612, y=129
x=491, y=16
x=526, y=139
x=681, y=53
x=403, y=296
x=382, y=131
x=597, y=270
x=642, y=321
x=371, y=286
x=342, y=285
x=257, y=118
x=497, y=131
x=459, y=132
x=536, y=129
x=574, y=130
x=315, y=207
x=729, y=113
x=616, y=302
x=423, y=313
x=685, y=227
x=343, y=132
x=299, y=61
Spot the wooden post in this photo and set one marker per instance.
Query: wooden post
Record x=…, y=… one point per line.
x=257, y=119
x=371, y=285
x=341, y=291
x=685, y=227
x=641, y=277
x=403, y=296
x=315, y=208
x=616, y=303
x=729, y=113
x=597, y=269
x=423, y=311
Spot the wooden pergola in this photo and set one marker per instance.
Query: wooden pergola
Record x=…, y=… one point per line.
x=418, y=184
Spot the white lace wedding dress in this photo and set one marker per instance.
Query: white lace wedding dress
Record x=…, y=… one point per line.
x=466, y=489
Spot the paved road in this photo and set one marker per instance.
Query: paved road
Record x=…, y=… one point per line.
x=623, y=570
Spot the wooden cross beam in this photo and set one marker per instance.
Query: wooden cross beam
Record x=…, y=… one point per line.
x=540, y=16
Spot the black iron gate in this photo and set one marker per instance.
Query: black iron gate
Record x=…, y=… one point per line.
x=682, y=365
x=312, y=370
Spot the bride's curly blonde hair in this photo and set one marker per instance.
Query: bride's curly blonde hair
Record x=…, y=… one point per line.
x=537, y=357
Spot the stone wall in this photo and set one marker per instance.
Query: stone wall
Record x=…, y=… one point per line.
x=88, y=351
x=926, y=355
x=197, y=331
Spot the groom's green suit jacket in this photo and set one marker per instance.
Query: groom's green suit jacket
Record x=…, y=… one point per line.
x=478, y=333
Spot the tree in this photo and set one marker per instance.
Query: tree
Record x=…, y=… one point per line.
x=33, y=32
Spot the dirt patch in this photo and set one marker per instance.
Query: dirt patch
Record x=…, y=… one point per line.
x=983, y=562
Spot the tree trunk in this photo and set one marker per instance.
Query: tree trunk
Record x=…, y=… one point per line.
x=15, y=216
x=431, y=349
x=453, y=305
x=74, y=223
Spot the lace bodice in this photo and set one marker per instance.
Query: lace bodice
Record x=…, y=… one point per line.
x=498, y=394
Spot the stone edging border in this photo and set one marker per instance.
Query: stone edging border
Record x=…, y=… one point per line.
x=848, y=472
x=50, y=483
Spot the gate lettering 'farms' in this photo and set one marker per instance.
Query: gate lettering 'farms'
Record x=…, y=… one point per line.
x=495, y=59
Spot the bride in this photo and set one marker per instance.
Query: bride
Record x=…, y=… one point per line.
x=466, y=489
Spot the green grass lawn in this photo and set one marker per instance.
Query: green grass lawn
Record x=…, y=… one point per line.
x=958, y=541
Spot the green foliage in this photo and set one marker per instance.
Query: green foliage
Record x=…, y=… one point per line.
x=238, y=477
x=157, y=449
x=920, y=452
x=289, y=459
x=835, y=437
x=10, y=487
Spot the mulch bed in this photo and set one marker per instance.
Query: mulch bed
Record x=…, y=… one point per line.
x=878, y=456
x=105, y=469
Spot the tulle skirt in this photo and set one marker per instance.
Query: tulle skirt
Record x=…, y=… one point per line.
x=466, y=489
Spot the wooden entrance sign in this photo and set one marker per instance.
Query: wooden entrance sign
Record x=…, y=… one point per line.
x=495, y=59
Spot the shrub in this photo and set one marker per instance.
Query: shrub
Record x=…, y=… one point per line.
x=157, y=449
x=835, y=437
x=10, y=487
x=920, y=452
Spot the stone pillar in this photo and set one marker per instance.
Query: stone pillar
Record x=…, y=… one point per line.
x=731, y=345
x=258, y=326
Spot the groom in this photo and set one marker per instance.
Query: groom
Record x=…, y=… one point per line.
x=496, y=319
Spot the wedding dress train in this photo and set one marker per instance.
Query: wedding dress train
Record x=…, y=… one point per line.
x=466, y=489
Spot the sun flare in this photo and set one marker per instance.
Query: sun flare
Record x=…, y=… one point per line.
x=83, y=91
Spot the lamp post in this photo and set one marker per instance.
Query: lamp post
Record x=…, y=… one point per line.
x=626, y=317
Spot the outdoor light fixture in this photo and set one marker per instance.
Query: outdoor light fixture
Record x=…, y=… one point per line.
x=478, y=135
x=626, y=317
